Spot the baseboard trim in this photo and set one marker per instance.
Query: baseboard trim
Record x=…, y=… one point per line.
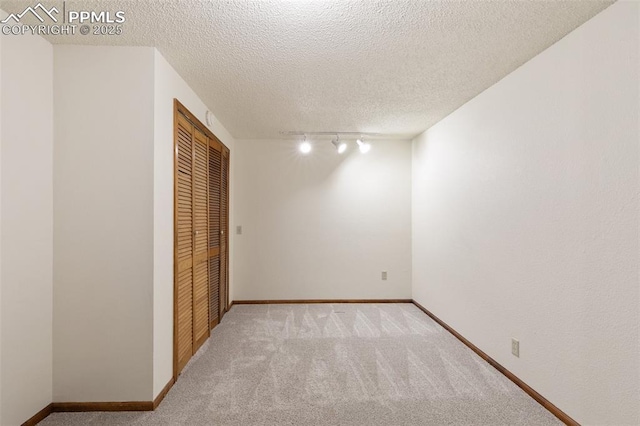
x=313, y=301
x=39, y=416
x=163, y=393
x=561, y=415
x=68, y=407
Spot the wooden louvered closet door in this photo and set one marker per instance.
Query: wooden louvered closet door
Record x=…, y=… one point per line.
x=183, y=315
x=201, y=225
x=215, y=183
x=200, y=239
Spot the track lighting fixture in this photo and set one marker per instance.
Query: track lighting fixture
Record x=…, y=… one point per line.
x=340, y=146
x=305, y=147
x=364, y=146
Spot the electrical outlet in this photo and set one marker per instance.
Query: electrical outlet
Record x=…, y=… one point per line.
x=515, y=347
x=384, y=275
x=239, y=230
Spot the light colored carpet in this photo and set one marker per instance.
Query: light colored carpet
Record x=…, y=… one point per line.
x=341, y=364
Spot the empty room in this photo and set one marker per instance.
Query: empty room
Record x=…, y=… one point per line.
x=319, y=212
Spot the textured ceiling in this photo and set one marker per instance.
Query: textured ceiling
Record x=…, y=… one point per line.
x=393, y=67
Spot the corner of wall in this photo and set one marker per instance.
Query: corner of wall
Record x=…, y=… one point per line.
x=26, y=216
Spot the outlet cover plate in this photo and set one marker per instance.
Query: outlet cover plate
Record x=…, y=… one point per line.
x=515, y=347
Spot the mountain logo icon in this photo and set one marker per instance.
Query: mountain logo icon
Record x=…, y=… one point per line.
x=43, y=12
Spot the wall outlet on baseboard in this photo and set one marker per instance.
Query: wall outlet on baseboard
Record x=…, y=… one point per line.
x=239, y=230
x=384, y=275
x=515, y=347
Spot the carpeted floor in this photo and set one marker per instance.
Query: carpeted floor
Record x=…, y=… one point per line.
x=342, y=364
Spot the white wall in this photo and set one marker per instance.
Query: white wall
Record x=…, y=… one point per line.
x=525, y=220
x=103, y=223
x=3, y=15
x=322, y=226
x=27, y=231
x=168, y=85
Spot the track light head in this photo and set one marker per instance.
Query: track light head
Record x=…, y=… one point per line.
x=340, y=146
x=305, y=147
x=364, y=146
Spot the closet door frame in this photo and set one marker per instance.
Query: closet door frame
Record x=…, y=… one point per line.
x=180, y=109
x=225, y=167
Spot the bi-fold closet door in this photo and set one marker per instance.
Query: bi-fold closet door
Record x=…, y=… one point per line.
x=201, y=226
x=218, y=229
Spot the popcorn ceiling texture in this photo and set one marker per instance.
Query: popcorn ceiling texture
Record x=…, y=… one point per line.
x=395, y=67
